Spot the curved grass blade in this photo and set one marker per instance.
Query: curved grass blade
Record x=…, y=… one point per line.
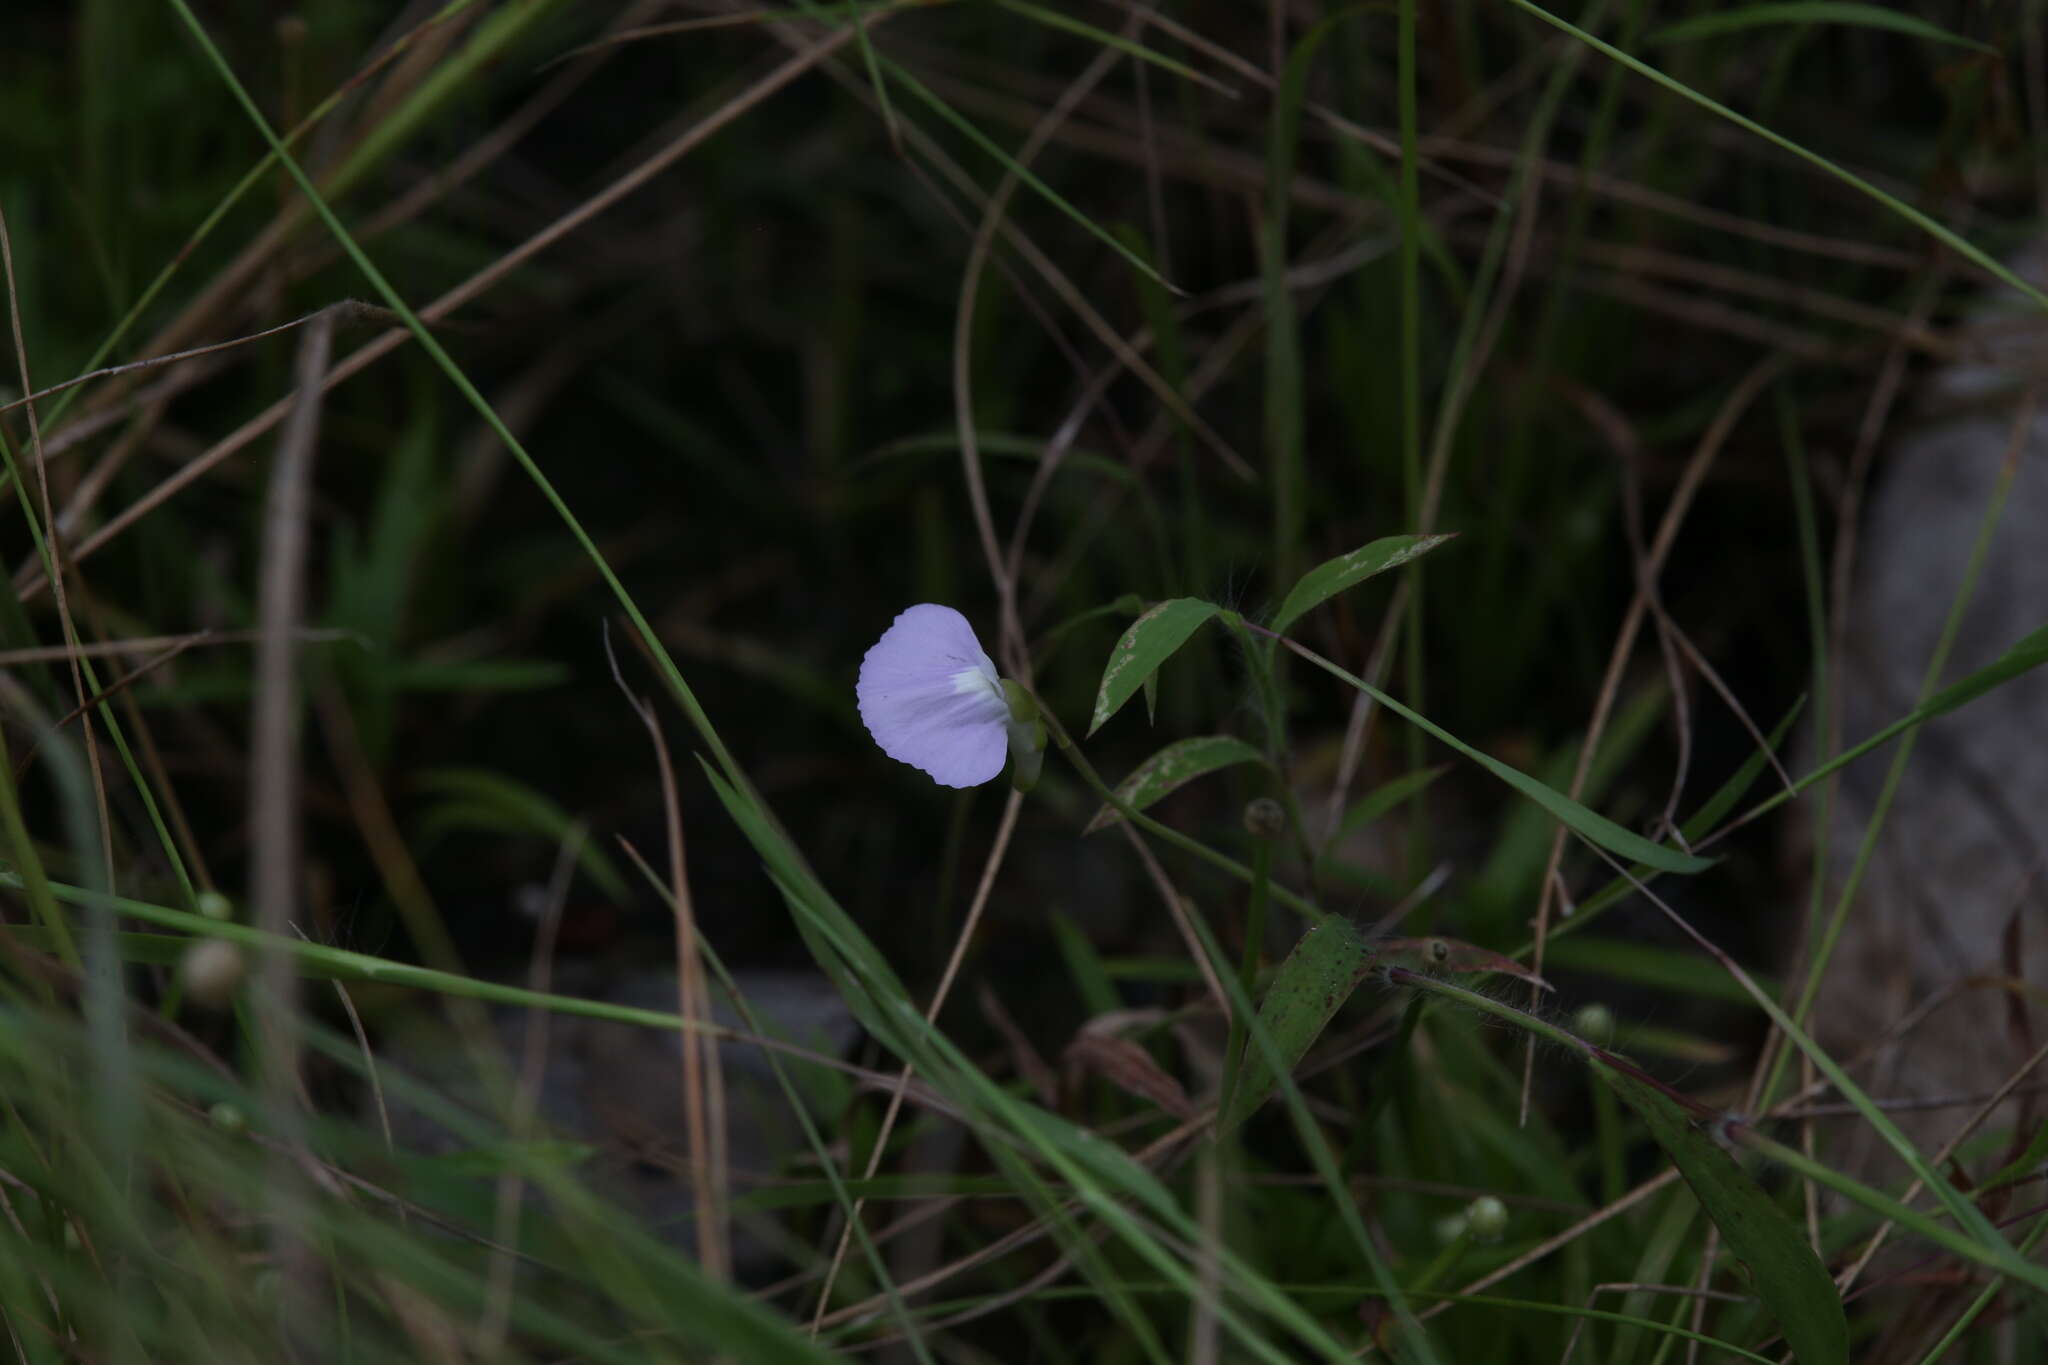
x=1590, y=825
x=1326, y=580
x=1151, y=639
x=2028, y=654
x=1947, y=236
x=1178, y=764
x=1137, y=51
x=1783, y=1271
x=1713, y=25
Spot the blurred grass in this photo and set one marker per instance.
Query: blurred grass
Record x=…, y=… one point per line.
x=1415, y=267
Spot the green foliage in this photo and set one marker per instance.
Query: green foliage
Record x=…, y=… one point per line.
x=1781, y=1268
x=762, y=326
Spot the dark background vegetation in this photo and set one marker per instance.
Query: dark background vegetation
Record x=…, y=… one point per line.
x=740, y=377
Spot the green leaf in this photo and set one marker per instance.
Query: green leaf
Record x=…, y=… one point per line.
x=1308, y=989
x=1326, y=580
x=1783, y=1271
x=1714, y=24
x=1151, y=639
x=1174, y=766
x=1590, y=825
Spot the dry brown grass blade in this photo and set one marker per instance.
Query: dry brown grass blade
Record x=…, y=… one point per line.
x=1015, y=651
x=348, y=309
x=1855, y=1269
x=1732, y=408
x=533, y=1061
x=145, y=644
x=703, y=1081
x=116, y=688
x=1848, y=514
x=53, y=547
x=1620, y=436
x=360, y=359
x=159, y=777
x=274, y=767
x=1004, y=828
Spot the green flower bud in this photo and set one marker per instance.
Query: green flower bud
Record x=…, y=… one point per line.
x=1264, y=819
x=1027, y=737
x=1487, y=1217
x=1594, y=1023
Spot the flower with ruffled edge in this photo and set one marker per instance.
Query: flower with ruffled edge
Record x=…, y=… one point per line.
x=931, y=698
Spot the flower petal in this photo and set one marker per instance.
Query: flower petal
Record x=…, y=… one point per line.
x=931, y=698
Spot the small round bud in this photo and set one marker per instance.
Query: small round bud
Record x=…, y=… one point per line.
x=1449, y=1228
x=214, y=905
x=1263, y=818
x=1594, y=1023
x=228, y=1118
x=211, y=971
x=1487, y=1217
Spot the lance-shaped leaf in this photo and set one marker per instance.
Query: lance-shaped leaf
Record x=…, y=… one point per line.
x=1174, y=766
x=1319, y=976
x=1326, y=580
x=1149, y=642
x=1315, y=980
x=1783, y=1271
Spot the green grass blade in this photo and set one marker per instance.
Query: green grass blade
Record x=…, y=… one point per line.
x=1947, y=236
x=1747, y=17
x=1783, y=1271
x=1589, y=825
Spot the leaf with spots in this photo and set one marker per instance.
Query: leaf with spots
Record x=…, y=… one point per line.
x=1174, y=766
x=1310, y=986
x=1326, y=580
x=1149, y=642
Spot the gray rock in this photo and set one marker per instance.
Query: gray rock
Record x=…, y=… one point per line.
x=1957, y=859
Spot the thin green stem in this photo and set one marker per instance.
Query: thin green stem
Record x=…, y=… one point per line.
x=1248, y=971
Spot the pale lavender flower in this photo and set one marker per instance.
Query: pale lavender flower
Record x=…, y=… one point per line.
x=932, y=699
